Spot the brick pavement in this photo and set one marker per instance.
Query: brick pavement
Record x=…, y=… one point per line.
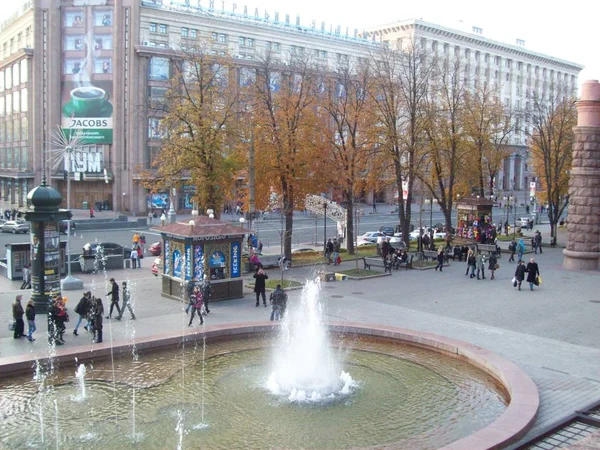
x=551, y=333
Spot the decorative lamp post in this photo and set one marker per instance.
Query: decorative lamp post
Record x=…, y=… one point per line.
x=324, y=226
x=210, y=212
x=242, y=220
x=172, y=215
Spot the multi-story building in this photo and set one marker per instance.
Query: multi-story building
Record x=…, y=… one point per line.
x=517, y=74
x=93, y=65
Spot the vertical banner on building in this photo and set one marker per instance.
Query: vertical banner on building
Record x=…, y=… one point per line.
x=235, y=259
x=87, y=73
x=167, y=258
x=189, y=262
x=198, y=263
x=532, y=190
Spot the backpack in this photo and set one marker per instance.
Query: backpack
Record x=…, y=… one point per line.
x=512, y=247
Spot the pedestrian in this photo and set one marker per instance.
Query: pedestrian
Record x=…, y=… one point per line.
x=520, y=273
x=480, y=262
x=134, y=258
x=520, y=249
x=493, y=265
x=259, y=248
x=126, y=302
x=260, y=278
x=533, y=272
x=18, y=311
x=142, y=245
x=329, y=251
x=83, y=309
x=114, y=298
x=206, y=290
x=506, y=228
x=196, y=306
x=61, y=317
x=538, y=241
x=440, y=259
x=278, y=300
x=190, y=292
x=471, y=263
x=26, y=277
x=336, y=251
x=513, y=248
x=136, y=239
x=97, y=325
x=30, y=315
x=374, y=207
x=92, y=212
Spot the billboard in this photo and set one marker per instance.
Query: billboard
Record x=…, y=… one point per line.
x=87, y=85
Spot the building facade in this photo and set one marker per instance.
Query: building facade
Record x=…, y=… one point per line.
x=90, y=67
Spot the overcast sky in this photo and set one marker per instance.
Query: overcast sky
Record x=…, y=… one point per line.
x=564, y=30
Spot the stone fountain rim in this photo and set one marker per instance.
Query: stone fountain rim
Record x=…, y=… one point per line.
x=516, y=420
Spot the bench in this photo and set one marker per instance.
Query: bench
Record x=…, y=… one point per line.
x=430, y=254
x=489, y=248
x=376, y=262
x=407, y=264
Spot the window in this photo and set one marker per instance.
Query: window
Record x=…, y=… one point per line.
x=507, y=76
x=219, y=38
x=24, y=128
x=72, y=66
x=8, y=130
x=162, y=28
x=185, y=32
x=487, y=57
x=8, y=104
x=456, y=50
x=73, y=42
x=2, y=110
x=434, y=46
x=321, y=54
x=155, y=129
x=74, y=19
x=103, y=42
x=193, y=33
x=507, y=102
x=159, y=68
x=102, y=65
x=24, y=103
x=274, y=46
x=102, y=18
x=8, y=73
x=221, y=75
x=446, y=47
x=16, y=101
x=15, y=71
x=467, y=53
x=2, y=80
x=153, y=27
x=509, y=63
x=520, y=65
x=495, y=74
x=157, y=93
x=477, y=56
x=247, y=76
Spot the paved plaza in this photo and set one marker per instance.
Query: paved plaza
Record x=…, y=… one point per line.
x=552, y=333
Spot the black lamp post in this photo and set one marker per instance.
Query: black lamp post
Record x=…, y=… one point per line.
x=44, y=215
x=324, y=226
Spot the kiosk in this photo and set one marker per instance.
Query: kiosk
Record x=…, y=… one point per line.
x=202, y=246
x=474, y=216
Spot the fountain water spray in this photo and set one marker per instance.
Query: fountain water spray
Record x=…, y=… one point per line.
x=305, y=368
x=80, y=375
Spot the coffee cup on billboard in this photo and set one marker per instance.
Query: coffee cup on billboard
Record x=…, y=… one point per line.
x=89, y=101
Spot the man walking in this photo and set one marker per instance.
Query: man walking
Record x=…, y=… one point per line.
x=480, y=261
x=533, y=271
x=126, y=302
x=26, y=278
x=278, y=300
x=30, y=315
x=83, y=308
x=538, y=241
x=520, y=273
x=513, y=248
x=114, y=298
x=18, y=311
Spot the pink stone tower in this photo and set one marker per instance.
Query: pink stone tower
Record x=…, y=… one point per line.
x=583, y=246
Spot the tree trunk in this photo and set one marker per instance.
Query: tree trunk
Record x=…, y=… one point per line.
x=349, y=223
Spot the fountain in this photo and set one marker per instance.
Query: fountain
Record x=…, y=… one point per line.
x=304, y=384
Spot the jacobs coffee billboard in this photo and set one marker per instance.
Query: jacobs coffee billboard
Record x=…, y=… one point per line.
x=87, y=73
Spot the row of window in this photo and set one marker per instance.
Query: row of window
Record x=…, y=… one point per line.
x=21, y=189
x=74, y=66
x=13, y=130
x=101, y=17
x=78, y=42
x=14, y=75
x=158, y=28
x=17, y=43
x=189, y=32
x=14, y=158
x=13, y=102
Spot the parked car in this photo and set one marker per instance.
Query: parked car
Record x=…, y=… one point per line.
x=155, y=249
x=62, y=226
x=413, y=235
x=523, y=221
x=387, y=230
x=14, y=227
x=109, y=248
x=156, y=268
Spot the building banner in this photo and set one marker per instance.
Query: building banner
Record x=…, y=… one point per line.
x=235, y=259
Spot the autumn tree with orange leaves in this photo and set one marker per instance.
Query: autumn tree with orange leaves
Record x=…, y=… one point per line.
x=199, y=115
x=287, y=134
x=550, y=141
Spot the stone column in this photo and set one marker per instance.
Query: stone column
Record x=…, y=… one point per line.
x=583, y=246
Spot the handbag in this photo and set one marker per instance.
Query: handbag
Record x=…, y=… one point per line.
x=12, y=325
x=514, y=281
x=539, y=278
x=536, y=281
x=497, y=266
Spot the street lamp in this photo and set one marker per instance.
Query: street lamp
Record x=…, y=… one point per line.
x=211, y=213
x=242, y=220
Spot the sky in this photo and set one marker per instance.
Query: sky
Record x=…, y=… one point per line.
x=565, y=31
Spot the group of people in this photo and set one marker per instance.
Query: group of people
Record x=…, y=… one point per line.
x=137, y=250
x=332, y=251
x=19, y=324
x=476, y=262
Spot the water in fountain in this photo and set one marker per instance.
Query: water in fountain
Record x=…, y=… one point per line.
x=305, y=367
x=80, y=376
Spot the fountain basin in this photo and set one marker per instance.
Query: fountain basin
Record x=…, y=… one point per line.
x=509, y=424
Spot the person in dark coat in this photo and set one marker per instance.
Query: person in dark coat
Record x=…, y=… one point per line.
x=97, y=312
x=492, y=265
x=520, y=273
x=440, y=260
x=30, y=314
x=206, y=290
x=259, y=285
x=114, y=298
x=82, y=309
x=18, y=311
x=196, y=306
x=126, y=302
x=533, y=271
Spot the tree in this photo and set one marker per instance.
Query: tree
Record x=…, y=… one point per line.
x=287, y=133
x=402, y=80
x=550, y=141
x=199, y=114
x=446, y=134
x=488, y=126
x=348, y=114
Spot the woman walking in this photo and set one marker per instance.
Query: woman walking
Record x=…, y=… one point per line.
x=440, y=259
x=492, y=265
x=533, y=271
x=520, y=273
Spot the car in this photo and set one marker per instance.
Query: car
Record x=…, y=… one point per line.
x=523, y=221
x=371, y=236
x=63, y=224
x=14, y=227
x=413, y=235
x=157, y=266
x=387, y=230
x=109, y=249
x=155, y=249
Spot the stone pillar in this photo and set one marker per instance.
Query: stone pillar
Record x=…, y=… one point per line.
x=583, y=246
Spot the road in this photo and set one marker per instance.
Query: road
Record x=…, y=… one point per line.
x=308, y=230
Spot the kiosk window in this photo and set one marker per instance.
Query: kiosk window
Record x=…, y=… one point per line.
x=217, y=266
